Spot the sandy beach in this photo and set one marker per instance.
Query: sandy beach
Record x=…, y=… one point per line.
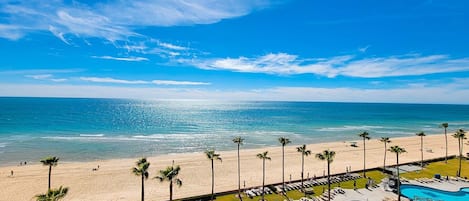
x=114, y=180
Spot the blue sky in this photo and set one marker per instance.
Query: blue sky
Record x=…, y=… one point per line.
x=414, y=51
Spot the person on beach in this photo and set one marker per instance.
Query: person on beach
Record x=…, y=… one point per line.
x=11, y=173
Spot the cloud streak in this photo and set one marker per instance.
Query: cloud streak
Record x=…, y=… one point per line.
x=48, y=77
x=347, y=65
x=121, y=58
x=112, y=80
x=157, y=82
x=173, y=82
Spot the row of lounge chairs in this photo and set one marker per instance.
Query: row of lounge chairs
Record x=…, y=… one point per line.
x=317, y=182
x=323, y=197
x=258, y=191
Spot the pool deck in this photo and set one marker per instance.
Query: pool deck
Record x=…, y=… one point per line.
x=376, y=194
x=380, y=194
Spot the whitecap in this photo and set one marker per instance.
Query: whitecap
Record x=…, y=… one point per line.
x=348, y=128
x=91, y=135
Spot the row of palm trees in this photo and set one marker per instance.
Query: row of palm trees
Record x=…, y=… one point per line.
x=459, y=134
x=171, y=172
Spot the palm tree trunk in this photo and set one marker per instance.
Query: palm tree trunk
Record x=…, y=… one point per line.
x=398, y=179
x=283, y=168
x=384, y=164
x=50, y=171
x=460, y=156
x=143, y=187
x=239, y=178
x=171, y=190
x=263, y=177
x=446, y=140
x=364, y=158
x=328, y=180
x=302, y=170
x=421, y=151
x=213, y=180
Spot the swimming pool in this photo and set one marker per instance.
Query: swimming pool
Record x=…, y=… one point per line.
x=414, y=191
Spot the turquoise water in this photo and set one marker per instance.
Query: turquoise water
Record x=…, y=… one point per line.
x=414, y=191
x=90, y=129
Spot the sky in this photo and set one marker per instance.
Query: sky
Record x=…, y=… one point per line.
x=402, y=51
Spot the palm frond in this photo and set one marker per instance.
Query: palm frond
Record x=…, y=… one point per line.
x=238, y=140
x=50, y=161
x=284, y=141
x=420, y=134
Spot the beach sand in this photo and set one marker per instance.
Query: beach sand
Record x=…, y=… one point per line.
x=114, y=180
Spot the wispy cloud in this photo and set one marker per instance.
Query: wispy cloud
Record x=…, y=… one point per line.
x=48, y=77
x=74, y=19
x=363, y=49
x=121, y=58
x=347, y=65
x=112, y=80
x=39, y=71
x=157, y=82
x=172, y=46
x=173, y=82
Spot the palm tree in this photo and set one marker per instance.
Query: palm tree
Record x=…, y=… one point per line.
x=328, y=156
x=398, y=150
x=421, y=135
x=445, y=125
x=142, y=170
x=170, y=174
x=461, y=135
x=239, y=141
x=304, y=152
x=365, y=136
x=53, y=194
x=284, y=141
x=264, y=157
x=211, y=155
x=50, y=161
x=385, y=140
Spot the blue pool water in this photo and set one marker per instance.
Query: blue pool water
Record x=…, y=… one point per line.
x=414, y=191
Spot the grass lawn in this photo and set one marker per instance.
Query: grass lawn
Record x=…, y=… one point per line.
x=428, y=172
x=440, y=168
x=375, y=175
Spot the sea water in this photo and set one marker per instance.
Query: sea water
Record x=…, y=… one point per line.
x=78, y=129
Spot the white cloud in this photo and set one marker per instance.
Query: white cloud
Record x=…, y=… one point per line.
x=39, y=71
x=173, y=82
x=112, y=80
x=121, y=81
x=363, y=49
x=40, y=77
x=172, y=46
x=348, y=65
x=122, y=58
x=415, y=94
x=48, y=77
x=75, y=19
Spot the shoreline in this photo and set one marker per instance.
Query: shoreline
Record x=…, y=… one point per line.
x=114, y=181
x=224, y=149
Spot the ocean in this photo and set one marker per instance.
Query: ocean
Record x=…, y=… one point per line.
x=81, y=129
